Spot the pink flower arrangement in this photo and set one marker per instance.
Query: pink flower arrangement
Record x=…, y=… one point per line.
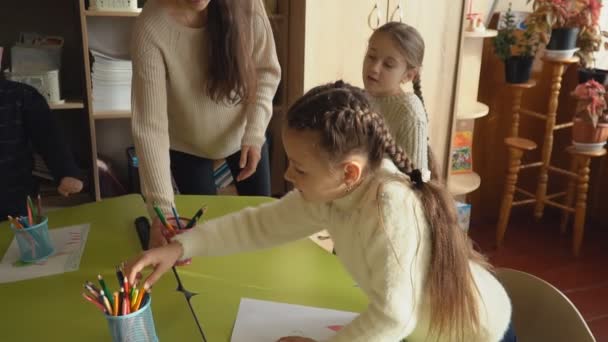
x=593, y=99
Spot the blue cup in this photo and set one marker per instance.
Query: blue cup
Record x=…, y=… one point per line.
x=34, y=242
x=137, y=326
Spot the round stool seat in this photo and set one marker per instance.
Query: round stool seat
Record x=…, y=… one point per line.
x=526, y=85
x=590, y=154
x=520, y=143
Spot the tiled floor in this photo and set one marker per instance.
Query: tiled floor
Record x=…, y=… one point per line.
x=540, y=249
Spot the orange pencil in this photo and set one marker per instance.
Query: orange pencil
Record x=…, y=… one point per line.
x=140, y=296
x=115, y=308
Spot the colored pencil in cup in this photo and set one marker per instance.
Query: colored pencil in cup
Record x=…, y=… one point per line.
x=30, y=218
x=196, y=217
x=95, y=302
x=115, y=306
x=102, y=283
x=104, y=299
x=140, y=297
x=119, y=276
x=176, y=215
x=163, y=220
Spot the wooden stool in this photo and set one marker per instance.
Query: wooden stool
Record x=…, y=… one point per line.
x=558, y=66
x=516, y=146
x=579, y=181
x=518, y=90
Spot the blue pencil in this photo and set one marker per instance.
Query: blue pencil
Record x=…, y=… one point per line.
x=176, y=215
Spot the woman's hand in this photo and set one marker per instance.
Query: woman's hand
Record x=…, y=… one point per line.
x=161, y=259
x=250, y=157
x=295, y=339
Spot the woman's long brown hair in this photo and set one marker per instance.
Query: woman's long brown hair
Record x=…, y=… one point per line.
x=231, y=74
x=342, y=115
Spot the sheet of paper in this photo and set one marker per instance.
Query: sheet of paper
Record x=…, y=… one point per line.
x=264, y=321
x=69, y=244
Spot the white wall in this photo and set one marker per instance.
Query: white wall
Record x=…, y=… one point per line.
x=336, y=39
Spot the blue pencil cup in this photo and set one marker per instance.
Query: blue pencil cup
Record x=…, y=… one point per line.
x=34, y=242
x=137, y=326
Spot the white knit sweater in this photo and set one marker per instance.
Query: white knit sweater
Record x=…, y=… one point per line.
x=389, y=261
x=406, y=119
x=171, y=109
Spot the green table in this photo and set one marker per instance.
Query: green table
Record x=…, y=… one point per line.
x=52, y=308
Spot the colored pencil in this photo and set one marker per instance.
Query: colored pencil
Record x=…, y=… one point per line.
x=177, y=220
x=163, y=220
x=115, y=308
x=30, y=218
x=196, y=216
x=104, y=299
x=96, y=303
x=105, y=289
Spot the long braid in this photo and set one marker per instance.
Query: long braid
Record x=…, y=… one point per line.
x=417, y=84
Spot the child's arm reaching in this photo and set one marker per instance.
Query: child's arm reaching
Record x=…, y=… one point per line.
x=287, y=219
x=398, y=257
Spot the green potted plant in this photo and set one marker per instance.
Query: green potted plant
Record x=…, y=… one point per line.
x=590, y=129
x=516, y=49
x=558, y=19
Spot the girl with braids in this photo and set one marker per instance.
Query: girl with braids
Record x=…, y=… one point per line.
x=393, y=58
x=395, y=231
x=204, y=75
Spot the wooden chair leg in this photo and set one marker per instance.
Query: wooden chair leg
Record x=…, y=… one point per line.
x=507, y=199
x=569, y=195
x=581, y=205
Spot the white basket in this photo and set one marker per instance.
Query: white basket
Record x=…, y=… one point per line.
x=46, y=82
x=113, y=5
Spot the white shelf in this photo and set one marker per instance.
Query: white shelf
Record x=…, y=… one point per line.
x=477, y=111
x=485, y=34
x=70, y=104
x=112, y=13
x=118, y=114
x=462, y=184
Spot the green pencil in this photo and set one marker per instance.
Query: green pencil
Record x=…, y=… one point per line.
x=105, y=289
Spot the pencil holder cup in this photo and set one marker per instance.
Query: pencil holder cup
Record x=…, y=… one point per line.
x=169, y=235
x=34, y=242
x=137, y=326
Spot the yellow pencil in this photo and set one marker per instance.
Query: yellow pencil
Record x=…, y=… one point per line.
x=134, y=300
x=115, y=296
x=140, y=296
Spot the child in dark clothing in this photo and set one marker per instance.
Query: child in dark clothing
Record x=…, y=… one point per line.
x=27, y=125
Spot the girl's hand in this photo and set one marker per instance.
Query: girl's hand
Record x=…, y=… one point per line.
x=295, y=339
x=161, y=259
x=250, y=157
x=69, y=185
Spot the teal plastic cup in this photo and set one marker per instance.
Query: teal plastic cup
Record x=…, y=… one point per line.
x=34, y=242
x=137, y=326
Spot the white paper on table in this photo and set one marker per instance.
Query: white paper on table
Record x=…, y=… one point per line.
x=264, y=321
x=69, y=244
